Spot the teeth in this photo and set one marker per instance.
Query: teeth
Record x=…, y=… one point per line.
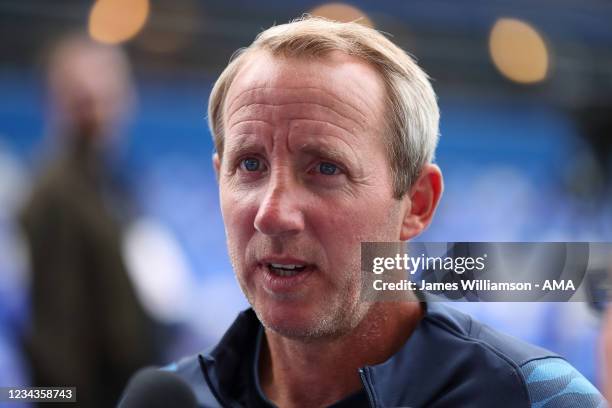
x=285, y=270
x=285, y=273
x=288, y=267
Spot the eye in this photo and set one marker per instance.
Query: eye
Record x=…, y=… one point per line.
x=327, y=169
x=250, y=164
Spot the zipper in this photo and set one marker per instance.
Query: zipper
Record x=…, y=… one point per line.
x=367, y=384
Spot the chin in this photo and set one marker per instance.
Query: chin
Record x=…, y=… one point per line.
x=303, y=323
x=293, y=331
x=282, y=317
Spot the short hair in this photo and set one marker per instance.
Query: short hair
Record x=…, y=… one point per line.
x=412, y=113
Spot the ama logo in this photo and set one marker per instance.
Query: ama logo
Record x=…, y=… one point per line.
x=558, y=285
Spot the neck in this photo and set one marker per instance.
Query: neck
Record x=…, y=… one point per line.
x=295, y=372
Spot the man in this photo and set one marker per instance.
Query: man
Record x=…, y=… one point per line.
x=88, y=329
x=325, y=134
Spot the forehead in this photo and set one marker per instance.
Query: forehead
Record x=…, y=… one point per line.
x=348, y=85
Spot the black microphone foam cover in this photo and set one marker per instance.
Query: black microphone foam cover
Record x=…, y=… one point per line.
x=155, y=388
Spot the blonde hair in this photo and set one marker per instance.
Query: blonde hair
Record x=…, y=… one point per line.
x=412, y=111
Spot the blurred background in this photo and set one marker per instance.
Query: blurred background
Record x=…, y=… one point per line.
x=525, y=90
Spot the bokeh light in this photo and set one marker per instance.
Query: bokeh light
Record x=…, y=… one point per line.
x=116, y=21
x=519, y=51
x=171, y=26
x=342, y=12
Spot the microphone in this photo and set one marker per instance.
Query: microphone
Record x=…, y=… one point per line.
x=155, y=388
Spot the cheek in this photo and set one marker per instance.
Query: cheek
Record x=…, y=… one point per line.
x=358, y=220
x=342, y=228
x=238, y=217
x=341, y=238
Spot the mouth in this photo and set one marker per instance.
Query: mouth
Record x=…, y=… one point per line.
x=285, y=270
x=285, y=276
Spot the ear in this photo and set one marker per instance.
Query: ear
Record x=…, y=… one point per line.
x=216, y=164
x=422, y=201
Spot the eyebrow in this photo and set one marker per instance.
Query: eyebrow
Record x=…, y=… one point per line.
x=326, y=151
x=251, y=145
x=247, y=143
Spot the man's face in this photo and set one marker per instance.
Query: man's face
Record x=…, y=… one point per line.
x=304, y=179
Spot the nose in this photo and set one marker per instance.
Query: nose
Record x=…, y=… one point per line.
x=279, y=213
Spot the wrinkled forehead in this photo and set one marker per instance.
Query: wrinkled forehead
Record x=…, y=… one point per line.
x=352, y=85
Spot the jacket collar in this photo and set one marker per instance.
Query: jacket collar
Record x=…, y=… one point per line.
x=225, y=368
x=228, y=373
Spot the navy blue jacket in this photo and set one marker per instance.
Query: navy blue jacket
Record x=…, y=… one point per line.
x=450, y=360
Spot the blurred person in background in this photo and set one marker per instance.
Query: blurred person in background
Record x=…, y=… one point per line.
x=88, y=328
